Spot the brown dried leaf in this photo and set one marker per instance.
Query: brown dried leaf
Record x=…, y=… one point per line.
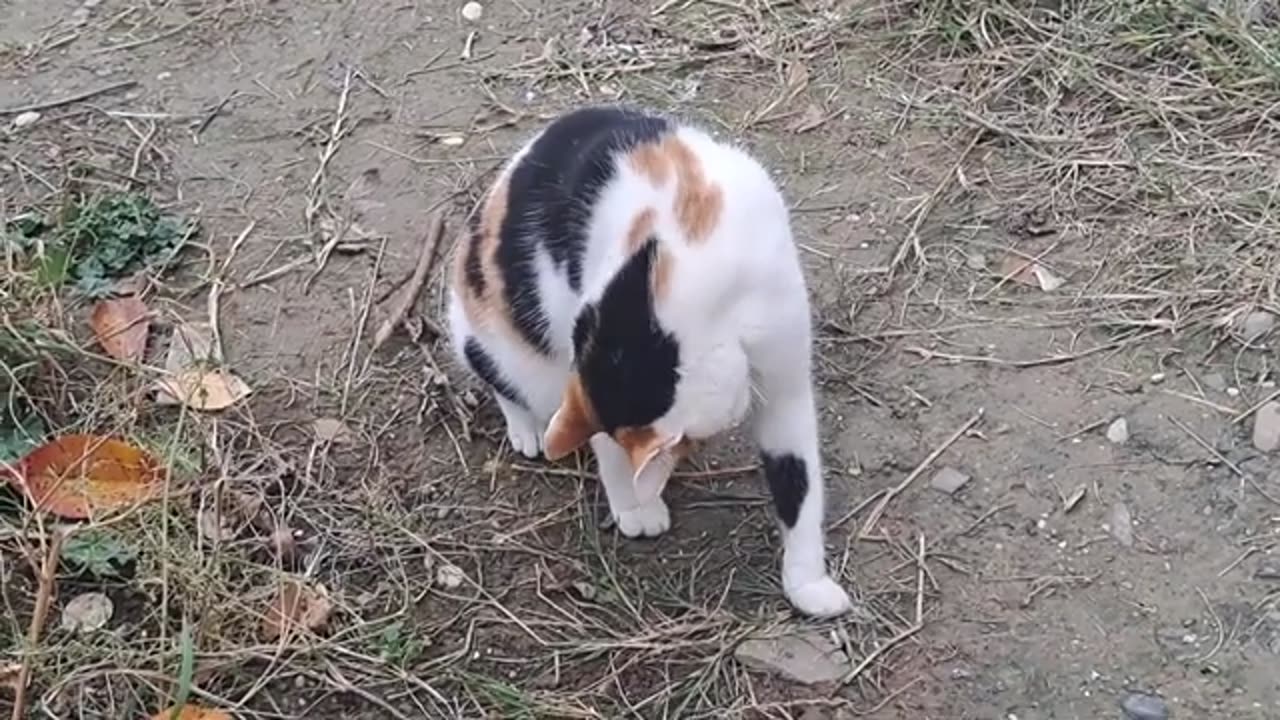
x=10, y=676
x=1019, y=270
x=1070, y=502
x=296, y=605
x=332, y=430
x=191, y=345
x=205, y=390
x=121, y=326
x=812, y=118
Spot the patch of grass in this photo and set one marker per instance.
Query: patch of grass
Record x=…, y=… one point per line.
x=98, y=240
x=1141, y=133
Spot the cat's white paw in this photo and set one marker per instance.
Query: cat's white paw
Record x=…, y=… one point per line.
x=524, y=438
x=821, y=598
x=648, y=520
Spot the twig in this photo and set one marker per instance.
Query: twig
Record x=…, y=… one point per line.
x=69, y=100
x=148, y=40
x=44, y=596
x=865, y=533
x=416, y=282
x=1223, y=459
x=1254, y=408
x=912, y=242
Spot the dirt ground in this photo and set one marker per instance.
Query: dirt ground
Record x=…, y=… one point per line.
x=1069, y=572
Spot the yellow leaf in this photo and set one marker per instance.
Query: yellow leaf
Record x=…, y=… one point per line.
x=202, y=389
x=82, y=476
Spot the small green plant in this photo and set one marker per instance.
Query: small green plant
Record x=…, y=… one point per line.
x=397, y=645
x=101, y=552
x=100, y=239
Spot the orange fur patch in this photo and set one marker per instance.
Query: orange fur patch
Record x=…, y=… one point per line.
x=641, y=229
x=698, y=202
x=487, y=308
x=574, y=423
x=652, y=161
x=639, y=442
x=660, y=281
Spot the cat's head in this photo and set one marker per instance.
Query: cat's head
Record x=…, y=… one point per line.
x=635, y=380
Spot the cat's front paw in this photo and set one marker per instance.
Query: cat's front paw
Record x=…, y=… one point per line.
x=524, y=438
x=821, y=598
x=648, y=520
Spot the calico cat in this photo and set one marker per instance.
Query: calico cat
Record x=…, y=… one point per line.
x=632, y=284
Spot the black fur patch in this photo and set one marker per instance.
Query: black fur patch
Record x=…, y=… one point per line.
x=550, y=198
x=626, y=360
x=487, y=370
x=788, y=482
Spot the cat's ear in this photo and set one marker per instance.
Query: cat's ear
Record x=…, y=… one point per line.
x=653, y=456
x=573, y=423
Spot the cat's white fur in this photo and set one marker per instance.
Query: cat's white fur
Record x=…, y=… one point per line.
x=738, y=304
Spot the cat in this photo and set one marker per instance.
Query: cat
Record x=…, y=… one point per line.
x=631, y=284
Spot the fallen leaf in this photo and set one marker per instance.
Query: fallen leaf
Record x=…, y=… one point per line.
x=191, y=712
x=1070, y=502
x=206, y=390
x=1048, y=281
x=296, y=605
x=190, y=346
x=90, y=611
x=10, y=675
x=812, y=117
x=1030, y=273
x=121, y=326
x=82, y=476
x=215, y=526
x=1018, y=269
x=332, y=430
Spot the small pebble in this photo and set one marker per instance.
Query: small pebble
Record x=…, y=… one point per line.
x=1215, y=381
x=1140, y=706
x=1121, y=525
x=26, y=119
x=472, y=12
x=1257, y=324
x=449, y=577
x=1266, y=427
x=976, y=261
x=949, y=480
x=1118, y=431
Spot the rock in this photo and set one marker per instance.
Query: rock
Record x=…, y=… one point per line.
x=449, y=577
x=1215, y=381
x=806, y=657
x=1266, y=427
x=472, y=12
x=949, y=480
x=1118, y=431
x=90, y=611
x=1268, y=571
x=1141, y=706
x=25, y=119
x=1122, y=524
x=976, y=261
x=1257, y=324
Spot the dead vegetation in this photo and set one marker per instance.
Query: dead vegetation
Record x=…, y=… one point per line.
x=300, y=565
